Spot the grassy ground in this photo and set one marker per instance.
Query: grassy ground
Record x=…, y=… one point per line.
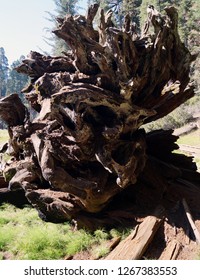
x=192, y=139
x=23, y=235
x=3, y=136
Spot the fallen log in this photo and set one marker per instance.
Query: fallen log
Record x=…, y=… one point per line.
x=134, y=246
x=171, y=251
x=191, y=221
x=16, y=198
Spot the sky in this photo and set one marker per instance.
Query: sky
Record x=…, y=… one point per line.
x=23, y=26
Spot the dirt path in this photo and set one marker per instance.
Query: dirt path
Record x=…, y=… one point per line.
x=193, y=150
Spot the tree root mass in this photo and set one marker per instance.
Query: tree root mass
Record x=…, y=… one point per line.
x=86, y=147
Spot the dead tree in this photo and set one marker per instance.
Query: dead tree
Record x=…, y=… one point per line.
x=86, y=144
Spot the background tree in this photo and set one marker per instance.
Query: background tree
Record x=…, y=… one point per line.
x=4, y=67
x=16, y=81
x=63, y=7
x=186, y=19
x=193, y=41
x=132, y=7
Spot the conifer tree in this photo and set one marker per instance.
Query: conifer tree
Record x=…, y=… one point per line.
x=16, y=81
x=63, y=7
x=132, y=7
x=3, y=72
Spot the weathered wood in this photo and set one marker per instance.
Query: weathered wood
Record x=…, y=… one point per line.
x=134, y=246
x=191, y=221
x=16, y=198
x=171, y=251
x=114, y=242
x=12, y=110
x=3, y=184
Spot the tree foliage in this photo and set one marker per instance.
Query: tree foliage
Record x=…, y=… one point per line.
x=3, y=72
x=63, y=7
x=16, y=81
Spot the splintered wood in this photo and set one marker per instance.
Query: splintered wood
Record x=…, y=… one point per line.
x=191, y=221
x=171, y=251
x=134, y=246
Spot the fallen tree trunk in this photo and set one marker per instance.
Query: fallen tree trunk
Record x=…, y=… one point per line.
x=7, y=196
x=86, y=144
x=134, y=246
x=171, y=251
x=191, y=221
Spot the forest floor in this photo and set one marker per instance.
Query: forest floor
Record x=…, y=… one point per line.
x=3, y=136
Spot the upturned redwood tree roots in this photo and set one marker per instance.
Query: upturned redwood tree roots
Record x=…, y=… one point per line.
x=86, y=144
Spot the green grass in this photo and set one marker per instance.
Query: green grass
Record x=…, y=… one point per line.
x=3, y=136
x=100, y=251
x=23, y=235
x=192, y=139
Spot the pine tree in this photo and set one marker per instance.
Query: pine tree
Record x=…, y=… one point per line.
x=132, y=8
x=63, y=7
x=194, y=41
x=3, y=72
x=186, y=17
x=16, y=81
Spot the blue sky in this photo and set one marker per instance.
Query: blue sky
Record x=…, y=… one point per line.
x=23, y=26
